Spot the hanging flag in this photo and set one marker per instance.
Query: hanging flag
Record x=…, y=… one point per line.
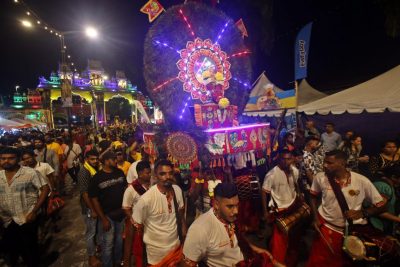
x=242, y=28
x=153, y=9
x=301, y=50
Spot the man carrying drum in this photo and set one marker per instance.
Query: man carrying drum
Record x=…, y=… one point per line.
x=280, y=191
x=339, y=187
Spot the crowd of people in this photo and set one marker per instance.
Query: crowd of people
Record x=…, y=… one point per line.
x=143, y=210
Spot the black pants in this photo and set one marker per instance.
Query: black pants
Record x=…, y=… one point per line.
x=22, y=240
x=73, y=172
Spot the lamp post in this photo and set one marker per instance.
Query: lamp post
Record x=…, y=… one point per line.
x=66, y=90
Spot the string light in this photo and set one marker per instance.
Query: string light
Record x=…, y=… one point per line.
x=245, y=84
x=240, y=54
x=187, y=23
x=184, y=107
x=222, y=32
x=163, y=84
x=40, y=23
x=166, y=45
x=26, y=23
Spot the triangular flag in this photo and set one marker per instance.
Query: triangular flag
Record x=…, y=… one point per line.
x=153, y=9
x=242, y=28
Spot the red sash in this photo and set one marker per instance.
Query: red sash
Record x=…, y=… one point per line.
x=138, y=246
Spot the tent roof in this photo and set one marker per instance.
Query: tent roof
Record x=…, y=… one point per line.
x=374, y=96
x=4, y=123
x=307, y=94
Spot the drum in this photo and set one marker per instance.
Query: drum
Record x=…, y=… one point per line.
x=298, y=214
x=359, y=249
x=248, y=187
x=366, y=243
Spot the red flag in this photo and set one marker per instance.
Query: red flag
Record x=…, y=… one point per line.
x=242, y=28
x=153, y=9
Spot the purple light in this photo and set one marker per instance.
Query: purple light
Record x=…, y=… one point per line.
x=236, y=128
x=245, y=84
x=166, y=45
x=184, y=108
x=221, y=32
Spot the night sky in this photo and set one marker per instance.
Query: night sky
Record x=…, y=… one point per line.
x=349, y=44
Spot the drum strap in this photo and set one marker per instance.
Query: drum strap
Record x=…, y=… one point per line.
x=340, y=198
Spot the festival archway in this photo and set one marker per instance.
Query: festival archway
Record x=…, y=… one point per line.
x=118, y=107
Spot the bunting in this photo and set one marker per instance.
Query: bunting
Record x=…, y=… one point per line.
x=242, y=28
x=153, y=9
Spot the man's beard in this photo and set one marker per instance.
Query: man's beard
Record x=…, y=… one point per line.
x=39, y=146
x=167, y=183
x=8, y=166
x=95, y=167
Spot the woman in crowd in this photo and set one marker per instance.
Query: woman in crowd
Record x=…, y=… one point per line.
x=386, y=159
x=352, y=147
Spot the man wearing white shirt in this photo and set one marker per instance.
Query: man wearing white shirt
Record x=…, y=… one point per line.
x=213, y=238
x=279, y=195
x=132, y=173
x=28, y=159
x=131, y=196
x=329, y=219
x=155, y=215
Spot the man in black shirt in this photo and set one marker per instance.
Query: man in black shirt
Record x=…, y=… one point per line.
x=90, y=168
x=106, y=191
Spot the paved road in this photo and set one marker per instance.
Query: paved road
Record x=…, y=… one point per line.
x=70, y=241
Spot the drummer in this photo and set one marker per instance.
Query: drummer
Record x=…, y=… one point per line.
x=279, y=195
x=329, y=220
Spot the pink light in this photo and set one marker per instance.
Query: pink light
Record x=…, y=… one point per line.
x=236, y=128
x=240, y=54
x=164, y=83
x=187, y=23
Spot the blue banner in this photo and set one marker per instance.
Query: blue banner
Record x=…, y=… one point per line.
x=301, y=50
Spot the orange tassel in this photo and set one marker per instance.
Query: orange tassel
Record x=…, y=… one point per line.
x=198, y=115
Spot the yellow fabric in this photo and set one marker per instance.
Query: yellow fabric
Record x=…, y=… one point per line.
x=89, y=168
x=137, y=156
x=199, y=181
x=116, y=144
x=56, y=148
x=124, y=167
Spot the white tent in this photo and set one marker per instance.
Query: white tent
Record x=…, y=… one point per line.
x=374, y=96
x=307, y=94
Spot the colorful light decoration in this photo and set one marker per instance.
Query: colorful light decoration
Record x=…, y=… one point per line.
x=208, y=53
x=158, y=87
x=166, y=45
x=187, y=23
x=235, y=128
x=184, y=108
x=222, y=31
x=245, y=84
x=244, y=53
x=193, y=63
